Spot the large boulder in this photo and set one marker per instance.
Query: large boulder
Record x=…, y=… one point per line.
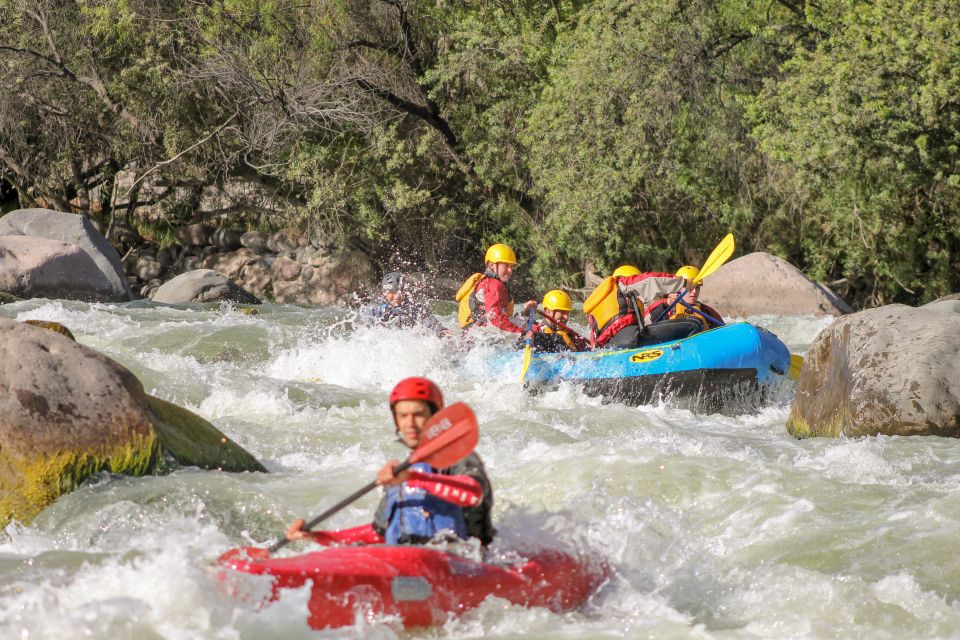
x=67, y=412
x=73, y=229
x=32, y=267
x=202, y=285
x=760, y=283
x=893, y=370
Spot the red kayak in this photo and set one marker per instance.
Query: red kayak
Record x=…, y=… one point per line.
x=422, y=586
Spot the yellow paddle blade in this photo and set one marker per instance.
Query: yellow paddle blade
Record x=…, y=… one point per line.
x=796, y=363
x=526, y=362
x=720, y=254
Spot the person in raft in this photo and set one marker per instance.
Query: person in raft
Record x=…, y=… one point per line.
x=484, y=298
x=550, y=336
x=689, y=305
x=397, y=309
x=619, y=309
x=421, y=504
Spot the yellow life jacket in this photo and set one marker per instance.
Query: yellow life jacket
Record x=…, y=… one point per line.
x=682, y=311
x=464, y=295
x=470, y=310
x=563, y=334
x=604, y=304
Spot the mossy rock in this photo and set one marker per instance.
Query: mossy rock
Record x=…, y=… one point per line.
x=27, y=486
x=192, y=441
x=8, y=297
x=68, y=412
x=50, y=325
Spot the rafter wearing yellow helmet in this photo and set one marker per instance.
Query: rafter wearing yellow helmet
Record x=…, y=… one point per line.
x=687, y=304
x=554, y=335
x=484, y=298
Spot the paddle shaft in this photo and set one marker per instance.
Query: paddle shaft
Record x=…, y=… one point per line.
x=353, y=497
x=560, y=324
x=703, y=313
x=527, y=350
x=666, y=313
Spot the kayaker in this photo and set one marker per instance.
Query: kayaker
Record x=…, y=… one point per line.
x=689, y=305
x=550, y=336
x=484, y=298
x=397, y=309
x=618, y=307
x=421, y=503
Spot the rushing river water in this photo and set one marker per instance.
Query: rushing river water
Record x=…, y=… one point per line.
x=716, y=526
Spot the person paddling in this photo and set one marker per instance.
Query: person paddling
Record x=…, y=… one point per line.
x=397, y=309
x=688, y=306
x=553, y=335
x=484, y=298
x=420, y=504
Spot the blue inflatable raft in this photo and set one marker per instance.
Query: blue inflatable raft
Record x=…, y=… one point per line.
x=734, y=362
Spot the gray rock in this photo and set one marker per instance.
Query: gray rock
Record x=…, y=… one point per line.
x=187, y=263
x=68, y=227
x=195, y=235
x=760, y=283
x=202, y=285
x=168, y=257
x=332, y=278
x=286, y=269
x=254, y=240
x=148, y=269
x=282, y=241
x=227, y=239
x=892, y=370
x=33, y=267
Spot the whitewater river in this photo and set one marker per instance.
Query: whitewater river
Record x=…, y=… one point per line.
x=716, y=526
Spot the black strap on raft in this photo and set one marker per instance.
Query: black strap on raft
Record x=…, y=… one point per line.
x=636, y=311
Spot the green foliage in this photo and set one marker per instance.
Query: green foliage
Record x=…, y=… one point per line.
x=867, y=129
x=608, y=131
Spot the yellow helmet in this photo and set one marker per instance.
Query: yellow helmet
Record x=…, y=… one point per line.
x=688, y=273
x=557, y=300
x=625, y=270
x=500, y=253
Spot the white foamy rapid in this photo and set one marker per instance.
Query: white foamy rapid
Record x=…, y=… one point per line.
x=716, y=526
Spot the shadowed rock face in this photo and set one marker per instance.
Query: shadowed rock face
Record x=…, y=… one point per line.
x=894, y=370
x=67, y=412
x=76, y=230
x=760, y=283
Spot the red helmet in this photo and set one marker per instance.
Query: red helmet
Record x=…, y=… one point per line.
x=417, y=389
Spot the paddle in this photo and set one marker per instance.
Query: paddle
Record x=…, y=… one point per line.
x=720, y=254
x=528, y=349
x=560, y=324
x=693, y=309
x=448, y=437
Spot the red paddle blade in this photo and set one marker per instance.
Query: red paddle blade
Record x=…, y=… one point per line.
x=448, y=437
